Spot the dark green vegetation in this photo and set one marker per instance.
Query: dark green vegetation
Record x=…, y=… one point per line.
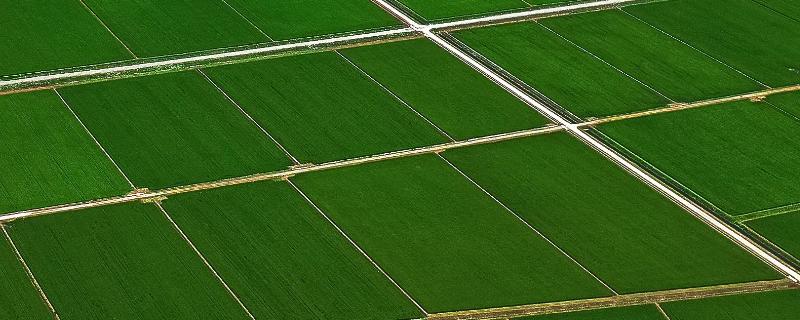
x=47, y=157
x=742, y=157
x=173, y=129
x=674, y=69
x=461, y=101
x=782, y=230
x=787, y=102
x=445, y=9
x=790, y=8
x=643, y=312
x=752, y=38
x=45, y=35
x=573, y=78
x=120, y=262
x=437, y=10
x=18, y=295
x=304, y=18
x=625, y=233
x=155, y=28
x=321, y=108
x=775, y=305
x=282, y=258
x=444, y=241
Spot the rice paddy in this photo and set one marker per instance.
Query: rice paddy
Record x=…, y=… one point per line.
x=400, y=159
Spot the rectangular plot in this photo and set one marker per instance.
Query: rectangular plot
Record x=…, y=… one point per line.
x=444, y=241
x=438, y=10
x=787, y=102
x=574, y=79
x=323, y=109
x=155, y=28
x=19, y=297
x=47, y=157
x=782, y=230
x=628, y=235
x=674, y=69
x=461, y=101
x=43, y=35
x=282, y=258
x=742, y=157
x=120, y=262
x=775, y=305
x=283, y=20
x=173, y=129
x=643, y=312
x=750, y=37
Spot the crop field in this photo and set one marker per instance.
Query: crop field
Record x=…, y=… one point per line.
x=400, y=159
x=663, y=63
x=709, y=152
x=260, y=260
x=763, y=45
x=776, y=305
x=43, y=40
x=424, y=76
x=93, y=261
x=550, y=189
x=788, y=102
x=438, y=10
x=788, y=7
x=560, y=70
x=395, y=211
x=347, y=115
x=172, y=129
x=281, y=20
x=48, y=158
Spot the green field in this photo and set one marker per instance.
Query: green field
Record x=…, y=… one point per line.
x=448, y=244
x=781, y=230
x=448, y=9
x=50, y=35
x=19, y=296
x=670, y=67
x=461, y=101
x=787, y=102
x=776, y=305
x=47, y=157
x=120, y=262
x=437, y=10
x=754, y=39
x=155, y=28
x=574, y=79
x=282, y=258
x=628, y=235
x=304, y=18
x=790, y=8
x=742, y=157
x=322, y=109
x=173, y=129
x=643, y=312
